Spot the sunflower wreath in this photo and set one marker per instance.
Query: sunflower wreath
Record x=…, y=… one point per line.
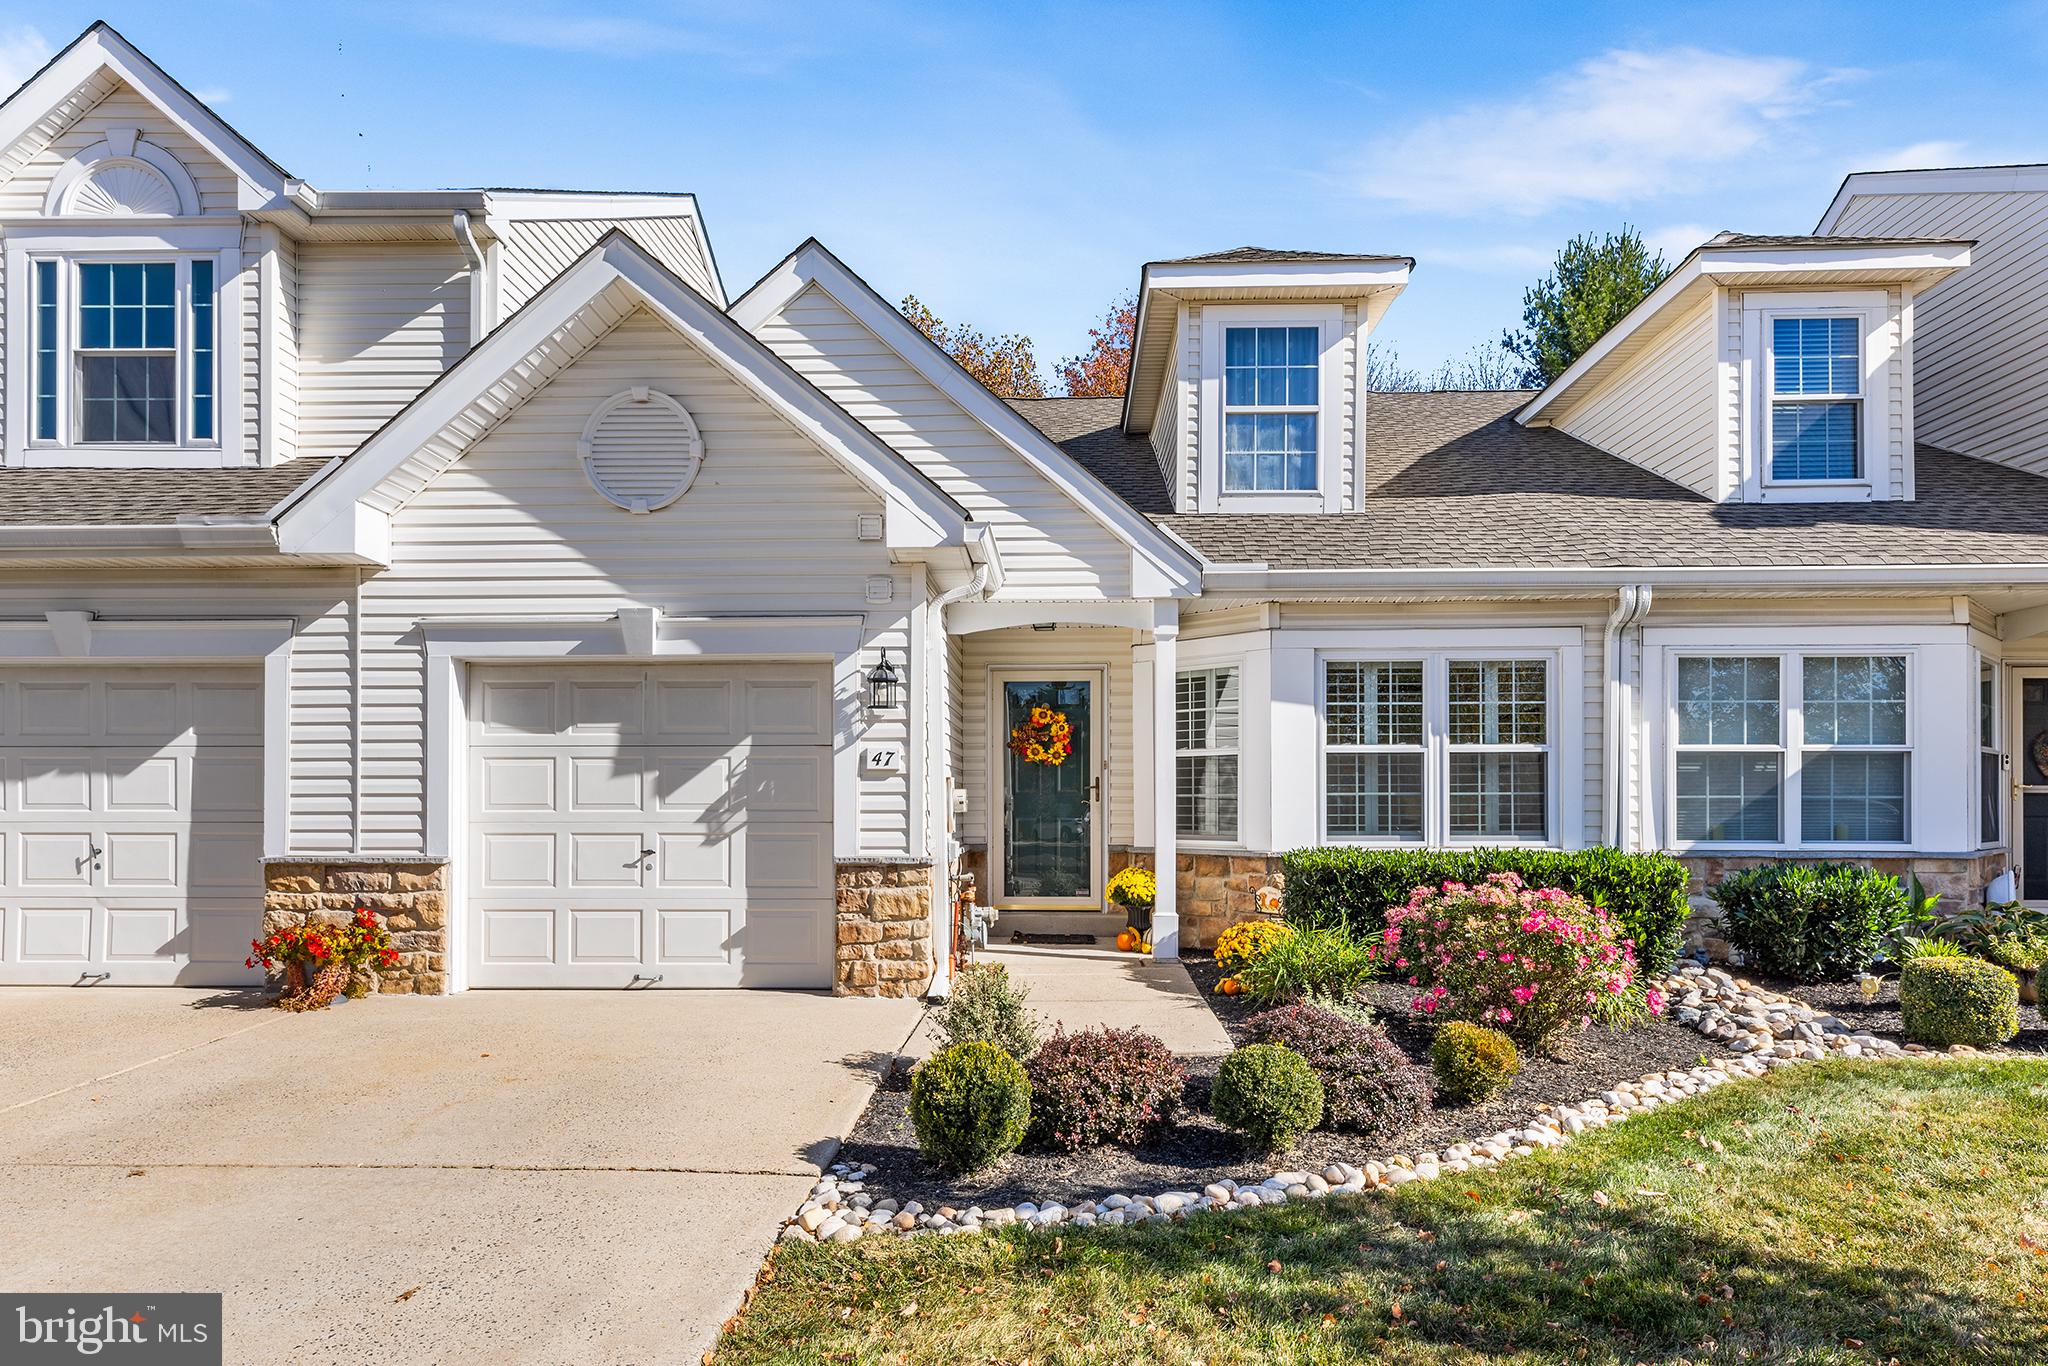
x=1043, y=737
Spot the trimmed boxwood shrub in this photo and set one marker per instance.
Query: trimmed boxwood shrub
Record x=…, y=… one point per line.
x=1959, y=1000
x=1473, y=1063
x=1369, y=1086
x=969, y=1103
x=1812, y=922
x=1354, y=887
x=1269, y=1094
x=1102, y=1086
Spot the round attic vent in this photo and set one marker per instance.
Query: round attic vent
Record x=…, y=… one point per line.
x=641, y=450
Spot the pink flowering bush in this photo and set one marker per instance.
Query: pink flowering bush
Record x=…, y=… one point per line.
x=1533, y=963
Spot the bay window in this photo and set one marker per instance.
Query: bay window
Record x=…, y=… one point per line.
x=125, y=351
x=1205, y=754
x=1440, y=748
x=1750, y=731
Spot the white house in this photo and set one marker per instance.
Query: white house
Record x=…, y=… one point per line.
x=473, y=556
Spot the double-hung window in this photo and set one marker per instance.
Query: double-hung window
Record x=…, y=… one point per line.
x=1205, y=754
x=1272, y=402
x=1816, y=398
x=126, y=351
x=1752, y=729
x=1437, y=749
x=1990, y=757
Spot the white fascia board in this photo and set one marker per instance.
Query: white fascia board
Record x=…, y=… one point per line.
x=1747, y=267
x=1950, y=180
x=1960, y=577
x=1385, y=273
x=324, y=511
x=812, y=264
x=262, y=181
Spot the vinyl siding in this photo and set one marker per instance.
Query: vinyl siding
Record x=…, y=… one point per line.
x=1191, y=406
x=533, y=252
x=1348, y=408
x=285, y=358
x=377, y=324
x=1050, y=546
x=1047, y=655
x=1166, y=419
x=1659, y=411
x=1980, y=337
x=514, y=530
x=23, y=191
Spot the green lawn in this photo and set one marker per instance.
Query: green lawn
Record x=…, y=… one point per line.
x=1842, y=1212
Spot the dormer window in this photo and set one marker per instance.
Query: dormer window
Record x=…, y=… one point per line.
x=1271, y=401
x=1816, y=406
x=125, y=352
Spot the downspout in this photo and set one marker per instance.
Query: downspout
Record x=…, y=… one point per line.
x=479, y=277
x=939, y=838
x=1631, y=605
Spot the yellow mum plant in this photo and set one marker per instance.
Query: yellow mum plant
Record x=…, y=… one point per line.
x=1244, y=943
x=1134, y=886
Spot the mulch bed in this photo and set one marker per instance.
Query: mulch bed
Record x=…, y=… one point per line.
x=1197, y=1150
x=1844, y=1001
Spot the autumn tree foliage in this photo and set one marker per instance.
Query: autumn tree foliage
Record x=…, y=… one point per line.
x=1004, y=364
x=1100, y=371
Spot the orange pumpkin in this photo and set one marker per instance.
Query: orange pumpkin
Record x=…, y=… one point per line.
x=1230, y=986
x=1126, y=940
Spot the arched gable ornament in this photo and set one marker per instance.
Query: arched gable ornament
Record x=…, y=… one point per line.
x=122, y=176
x=641, y=449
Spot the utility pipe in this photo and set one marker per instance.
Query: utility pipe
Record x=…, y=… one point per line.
x=937, y=838
x=1631, y=605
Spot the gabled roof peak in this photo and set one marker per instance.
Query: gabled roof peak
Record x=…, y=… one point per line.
x=1277, y=256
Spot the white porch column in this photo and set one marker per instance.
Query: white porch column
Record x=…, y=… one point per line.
x=1165, y=820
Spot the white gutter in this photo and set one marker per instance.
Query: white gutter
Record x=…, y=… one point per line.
x=196, y=535
x=480, y=291
x=1631, y=605
x=938, y=839
x=1219, y=578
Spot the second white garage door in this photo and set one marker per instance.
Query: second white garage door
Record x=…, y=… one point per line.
x=665, y=826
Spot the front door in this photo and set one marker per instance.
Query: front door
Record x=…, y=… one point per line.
x=1049, y=842
x=2030, y=782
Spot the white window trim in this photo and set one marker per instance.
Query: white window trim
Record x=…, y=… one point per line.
x=1791, y=719
x=1999, y=746
x=1437, y=749
x=1237, y=751
x=72, y=244
x=1760, y=310
x=1328, y=494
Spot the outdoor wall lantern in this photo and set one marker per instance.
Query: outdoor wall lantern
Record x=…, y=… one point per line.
x=885, y=686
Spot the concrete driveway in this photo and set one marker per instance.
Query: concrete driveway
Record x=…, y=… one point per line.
x=496, y=1176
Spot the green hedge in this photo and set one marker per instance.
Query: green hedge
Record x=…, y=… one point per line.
x=1354, y=887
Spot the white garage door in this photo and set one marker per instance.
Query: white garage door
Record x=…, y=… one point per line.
x=131, y=823
x=668, y=826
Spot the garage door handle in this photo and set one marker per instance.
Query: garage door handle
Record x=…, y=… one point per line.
x=646, y=853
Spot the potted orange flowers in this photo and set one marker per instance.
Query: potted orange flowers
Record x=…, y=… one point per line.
x=320, y=962
x=1044, y=736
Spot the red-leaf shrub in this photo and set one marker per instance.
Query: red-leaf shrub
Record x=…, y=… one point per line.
x=1369, y=1086
x=1532, y=963
x=1102, y=1086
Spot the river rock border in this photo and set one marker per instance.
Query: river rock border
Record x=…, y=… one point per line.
x=1761, y=1029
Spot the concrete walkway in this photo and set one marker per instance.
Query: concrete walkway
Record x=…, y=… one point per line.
x=497, y=1176
x=1080, y=988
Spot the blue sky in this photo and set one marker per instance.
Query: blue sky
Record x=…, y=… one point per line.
x=1013, y=164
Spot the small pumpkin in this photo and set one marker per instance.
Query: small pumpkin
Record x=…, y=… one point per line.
x=1229, y=986
x=1126, y=940
x=1144, y=946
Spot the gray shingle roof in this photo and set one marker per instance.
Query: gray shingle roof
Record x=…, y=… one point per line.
x=1753, y=239
x=115, y=497
x=1454, y=482
x=1275, y=255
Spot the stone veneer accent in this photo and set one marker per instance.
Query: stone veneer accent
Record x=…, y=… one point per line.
x=1959, y=881
x=883, y=929
x=409, y=895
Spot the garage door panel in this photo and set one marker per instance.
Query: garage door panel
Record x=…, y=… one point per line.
x=605, y=936
x=142, y=784
x=783, y=935
x=793, y=712
x=227, y=783
x=607, y=783
x=697, y=711
x=522, y=860
x=787, y=783
x=143, y=711
x=53, y=710
x=227, y=711
x=605, y=859
x=517, y=935
x=141, y=933
x=518, y=785
x=56, y=858
x=691, y=782
x=225, y=858
x=514, y=709
x=57, y=782
x=694, y=935
x=55, y=934
x=219, y=933
x=608, y=707
x=694, y=859
x=788, y=857
x=141, y=858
